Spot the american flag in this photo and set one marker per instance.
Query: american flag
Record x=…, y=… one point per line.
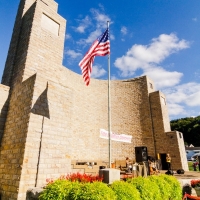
x=100, y=47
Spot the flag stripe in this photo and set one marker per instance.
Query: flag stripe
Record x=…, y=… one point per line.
x=100, y=47
x=100, y=50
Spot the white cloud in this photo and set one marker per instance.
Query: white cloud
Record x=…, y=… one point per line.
x=84, y=23
x=112, y=37
x=81, y=29
x=97, y=71
x=124, y=30
x=147, y=58
x=99, y=22
x=113, y=77
x=175, y=109
x=193, y=99
x=67, y=36
x=194, y=19
x=101, y=6
x=182, y=98
x=72, y=54
x=93, y=36
x=188, y=94
x=197, y=74
x=163, y=78
x=159, y=49
x=100, y=18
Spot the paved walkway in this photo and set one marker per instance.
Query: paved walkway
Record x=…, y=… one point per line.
x=186, y=175
x=186, y=178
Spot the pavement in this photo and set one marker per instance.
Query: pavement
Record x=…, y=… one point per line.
x=186, y=178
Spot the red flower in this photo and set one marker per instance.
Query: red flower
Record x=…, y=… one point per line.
x=82, y=177
x=195, y=183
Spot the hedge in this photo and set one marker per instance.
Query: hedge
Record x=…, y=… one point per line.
x=155, y=187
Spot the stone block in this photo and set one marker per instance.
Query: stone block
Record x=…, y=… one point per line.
x=33, y=193
x=109, y=175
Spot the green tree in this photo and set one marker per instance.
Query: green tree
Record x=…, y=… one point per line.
x=190, y=127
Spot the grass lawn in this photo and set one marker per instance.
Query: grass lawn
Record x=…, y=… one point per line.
x=191, y=167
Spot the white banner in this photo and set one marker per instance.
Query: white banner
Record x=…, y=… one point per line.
x=116, y=137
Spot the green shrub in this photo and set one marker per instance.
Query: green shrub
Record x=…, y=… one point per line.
x=148, y=190
x=125, y=191
x=163, y=185
x=58, y=190
x=92, y=191
x=175, y=192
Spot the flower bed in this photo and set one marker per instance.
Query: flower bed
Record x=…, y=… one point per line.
x=82, y=187
x=196, y=185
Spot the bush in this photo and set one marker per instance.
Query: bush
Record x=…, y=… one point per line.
x=58, y=190
x=175, y=192
x=148, y=190
x=75, y=187
x=164, y=187
x=125, y=191
x=92, y=191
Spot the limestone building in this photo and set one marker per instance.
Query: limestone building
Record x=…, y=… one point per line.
x=49, y=118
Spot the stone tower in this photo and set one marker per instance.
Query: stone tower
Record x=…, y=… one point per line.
x=36, y=47
x=49, y=118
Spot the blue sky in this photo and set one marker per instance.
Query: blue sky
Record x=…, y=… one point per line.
x=158, y=38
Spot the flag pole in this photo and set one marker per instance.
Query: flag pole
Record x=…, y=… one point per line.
x=109, y=114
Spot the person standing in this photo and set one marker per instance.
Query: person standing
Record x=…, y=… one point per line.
x=198, y=160
x=128, y=165
x=168, y=160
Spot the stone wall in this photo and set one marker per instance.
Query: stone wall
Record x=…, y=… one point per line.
x=4, y=91
x=177, y=150
x=53, y=118
x=160, y=121
x=10, y=64
x=14, y=139
x=63, y=124
x=166, y=141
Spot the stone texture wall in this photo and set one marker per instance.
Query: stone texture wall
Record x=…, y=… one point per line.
x=14, y=139
x=4, y=91
x=54, y=118
x=158, y=112
x=166, y=141
x=177, y=150
x=45, y=50
x=37, y=49
x=14, y=44
x=62, y=123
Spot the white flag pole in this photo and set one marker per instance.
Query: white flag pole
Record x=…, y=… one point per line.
x=109, y=114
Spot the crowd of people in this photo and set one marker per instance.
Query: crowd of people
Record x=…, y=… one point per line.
x=153, y=165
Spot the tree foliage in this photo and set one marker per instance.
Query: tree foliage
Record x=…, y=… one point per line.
x=190, y=127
